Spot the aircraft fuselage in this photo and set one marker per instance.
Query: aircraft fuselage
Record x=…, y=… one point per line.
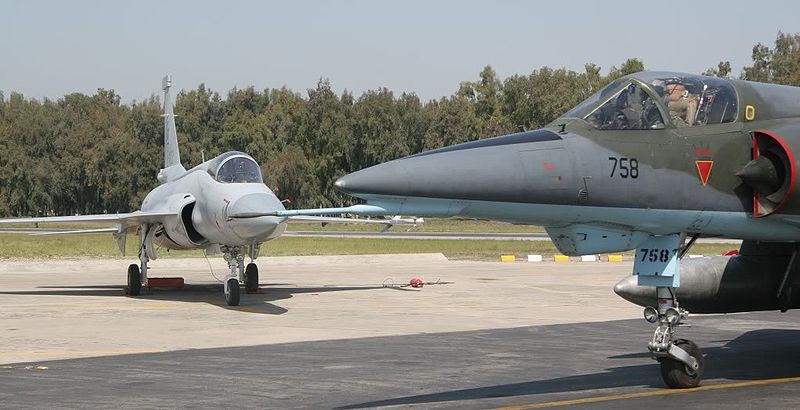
x=616, y=170
x=204, y=205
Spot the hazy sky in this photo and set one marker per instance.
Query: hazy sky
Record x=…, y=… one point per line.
x=50, y=48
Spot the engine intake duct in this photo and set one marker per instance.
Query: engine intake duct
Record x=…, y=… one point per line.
x=762, y=176
x=770, y=174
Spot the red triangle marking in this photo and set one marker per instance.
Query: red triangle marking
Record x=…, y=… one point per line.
x=704, y=170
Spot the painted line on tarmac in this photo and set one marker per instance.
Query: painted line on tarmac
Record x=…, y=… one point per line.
x=656, y=393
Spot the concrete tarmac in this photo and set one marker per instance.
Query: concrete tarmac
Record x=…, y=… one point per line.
x=326, y=334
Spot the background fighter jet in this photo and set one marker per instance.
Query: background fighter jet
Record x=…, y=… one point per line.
x=652, y=159
x=219, y=205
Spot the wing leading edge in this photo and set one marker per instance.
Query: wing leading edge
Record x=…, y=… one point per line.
x=123, y=221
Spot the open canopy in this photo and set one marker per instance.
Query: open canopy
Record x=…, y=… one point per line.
x=652, y=100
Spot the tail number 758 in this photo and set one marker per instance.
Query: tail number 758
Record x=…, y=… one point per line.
x=624, y=167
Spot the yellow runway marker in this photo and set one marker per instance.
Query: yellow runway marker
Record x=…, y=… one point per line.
x=560, y=258
x=665, y=392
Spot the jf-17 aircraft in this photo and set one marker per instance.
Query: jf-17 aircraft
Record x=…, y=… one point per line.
x=215, y=206
x=652, y=162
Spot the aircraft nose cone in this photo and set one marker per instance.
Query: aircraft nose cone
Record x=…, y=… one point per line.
x=245, y=220
x=533, y=167
x=388, y=178
x=629, y=289
x=253, y=204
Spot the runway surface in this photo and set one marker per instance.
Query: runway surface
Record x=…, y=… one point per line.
x=497, y=335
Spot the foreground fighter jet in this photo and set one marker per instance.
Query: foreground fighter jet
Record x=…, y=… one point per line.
x=651, y=162
x=217, y=206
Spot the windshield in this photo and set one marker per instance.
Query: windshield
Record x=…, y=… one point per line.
x=631, y=108
x=239, y=170
x=582, y=109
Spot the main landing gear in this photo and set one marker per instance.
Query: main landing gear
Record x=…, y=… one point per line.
x=234, y=255
x=137, y=274
x=134, y=280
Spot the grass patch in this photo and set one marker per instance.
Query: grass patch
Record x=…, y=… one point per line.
x=430, y=225
x=103, y=245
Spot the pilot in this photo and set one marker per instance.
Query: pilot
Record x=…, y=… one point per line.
x=681, y=104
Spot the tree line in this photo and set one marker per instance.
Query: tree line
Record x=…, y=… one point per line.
x=84, y=154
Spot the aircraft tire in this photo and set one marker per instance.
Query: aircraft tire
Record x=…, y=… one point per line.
x=675, y=373
x=251, y=277
x=232, y=292
x=134, y=280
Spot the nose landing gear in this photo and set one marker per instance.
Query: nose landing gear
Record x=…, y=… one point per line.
x=681, y=360
x=657, y=264
x=239, y=274
x=235, y=259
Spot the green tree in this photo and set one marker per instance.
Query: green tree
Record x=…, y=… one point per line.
x=723, y=70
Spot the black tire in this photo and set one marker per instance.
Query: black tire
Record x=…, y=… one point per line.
x=134, y=280
x=251, y=277
x=676, y=374
x=232, y=292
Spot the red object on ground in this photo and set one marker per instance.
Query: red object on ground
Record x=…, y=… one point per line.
x=732, y=252
x=165, y=283
x=416, y=283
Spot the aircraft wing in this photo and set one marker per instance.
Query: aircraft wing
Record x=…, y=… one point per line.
x=328, y=219
x=320, y=215
x=122, y=222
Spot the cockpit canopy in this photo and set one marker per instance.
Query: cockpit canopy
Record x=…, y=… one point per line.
x=650, y=100
x=235, y=167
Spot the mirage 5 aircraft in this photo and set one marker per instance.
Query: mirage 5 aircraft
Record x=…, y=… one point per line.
x=217, y=206
x=651, y=162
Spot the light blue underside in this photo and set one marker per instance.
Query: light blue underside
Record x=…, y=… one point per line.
x=735, y=225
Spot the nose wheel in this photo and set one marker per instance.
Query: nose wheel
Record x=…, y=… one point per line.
x=232, y=292
x=679, y=375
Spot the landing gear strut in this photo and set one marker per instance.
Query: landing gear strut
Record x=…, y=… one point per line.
x=681, y=360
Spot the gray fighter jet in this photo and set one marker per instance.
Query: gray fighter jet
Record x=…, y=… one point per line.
x=651, y=162
x=219, y=206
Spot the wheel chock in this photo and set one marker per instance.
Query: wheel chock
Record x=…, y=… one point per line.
x=176, y=283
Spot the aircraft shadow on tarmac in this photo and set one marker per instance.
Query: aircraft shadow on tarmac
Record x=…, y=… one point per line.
x=755, y=355
x=205, y=293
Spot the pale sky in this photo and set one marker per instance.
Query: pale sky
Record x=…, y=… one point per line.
x=50, y=48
